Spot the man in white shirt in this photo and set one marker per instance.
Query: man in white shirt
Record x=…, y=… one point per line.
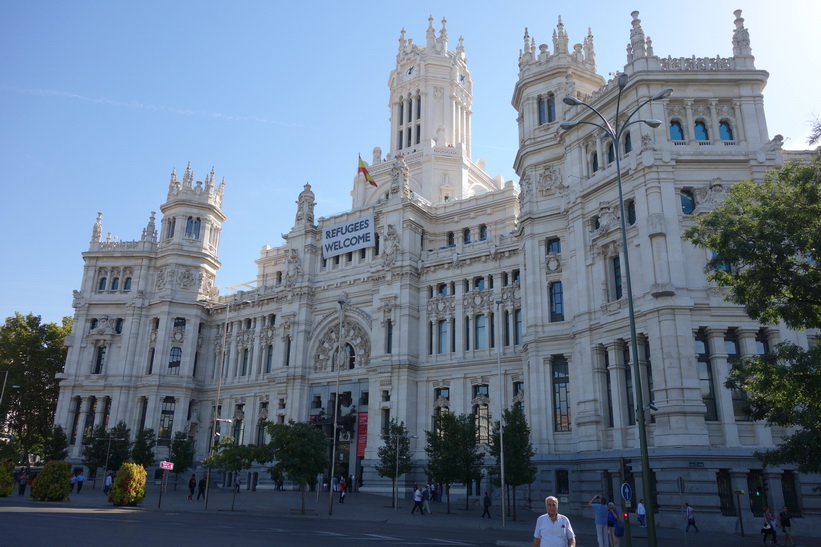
x=553, y=529
x=641, y=513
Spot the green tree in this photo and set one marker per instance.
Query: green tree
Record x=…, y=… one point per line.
x=300, y=451
x=52, y=483
x=143, y=450
x=783, y=387
x=766, y=240
x=32, y=353
x=182, y=454
x=453, y=455
x=56, y=445
x=519, y=468
x=815, y=133
x=107, y=449
x=394, y=456
x=232, y=458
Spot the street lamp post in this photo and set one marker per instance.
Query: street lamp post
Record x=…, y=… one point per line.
x=217, y=419
x=615, y=134
x=107, y=454
x=3, y=392
x=342, y=301
x=501, y=412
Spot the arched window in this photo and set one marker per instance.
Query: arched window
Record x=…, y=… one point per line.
x=700, y=131
x=611, y=153
x=118, y=326
x=115, y=284
x=631, y=212
x=628, y=143
x=483, y=232
x=451, y=239
x=192, y=228
x=595, y=162
x=481, y=411
x=479, y=331
x=725, y=132
x=94, y=324
x=466, y=235
x=688, y=202
x=541, y=105
x=676, y=132
x=102, y=285
x=127, y=284
x=172, y=224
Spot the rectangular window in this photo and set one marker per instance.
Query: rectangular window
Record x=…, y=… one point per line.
x=617, y=288
x=174, y=360
x=705, y=377
x=287, y=362
x=562, y=481
x=629, y=393
x=269, y=358
x=99, y=360
x=150, y=360
x=556, y=302
x=442, y=342
x=263, y=411
x=467, y=333
x=725, y=493
x=389, y=337
x=179, y=323
x=561, y=394
x=481, y=412
x=609, y=389
x=245, y=355
x=554, y=245
x=517, y=331
x=480, y=332
x=166, y=418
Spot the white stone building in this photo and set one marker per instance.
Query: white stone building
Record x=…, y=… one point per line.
x=465, y=275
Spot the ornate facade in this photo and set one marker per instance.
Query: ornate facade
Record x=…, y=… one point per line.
x=469, y=275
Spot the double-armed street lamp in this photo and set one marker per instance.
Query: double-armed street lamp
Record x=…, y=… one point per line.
x=615, y=134
x=501, y=411
x=340, y=356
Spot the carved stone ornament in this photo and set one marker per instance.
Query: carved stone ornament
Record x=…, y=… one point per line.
x=553, y=262
x=391, y=246
x=441, y=402
x=328, y=345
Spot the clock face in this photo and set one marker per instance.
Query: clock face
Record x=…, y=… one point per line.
x=410, y=72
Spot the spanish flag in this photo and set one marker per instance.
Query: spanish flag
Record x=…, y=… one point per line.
x=364, y=170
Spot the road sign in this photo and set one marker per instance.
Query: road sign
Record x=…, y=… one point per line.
x=167, y=465
x=626, y=492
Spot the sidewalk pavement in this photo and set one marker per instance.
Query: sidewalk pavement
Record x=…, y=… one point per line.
x=366, y=507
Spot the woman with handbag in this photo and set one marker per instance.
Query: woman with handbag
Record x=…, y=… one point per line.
x=613, y=525
x=768, y=530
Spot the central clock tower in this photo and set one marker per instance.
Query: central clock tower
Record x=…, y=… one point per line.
x=430, y=101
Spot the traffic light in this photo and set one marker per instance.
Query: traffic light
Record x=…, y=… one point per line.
x=625, y=515
x=627, y=467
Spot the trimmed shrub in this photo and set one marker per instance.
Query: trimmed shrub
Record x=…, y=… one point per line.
x=6, y=478
x=129, y=485
x=52, y=483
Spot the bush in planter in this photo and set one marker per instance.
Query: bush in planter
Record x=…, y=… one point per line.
x=52, y=483
x=129, y=485
x=6, y=477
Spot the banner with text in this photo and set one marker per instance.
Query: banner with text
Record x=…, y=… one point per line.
x=348, y=236
x=361, y=434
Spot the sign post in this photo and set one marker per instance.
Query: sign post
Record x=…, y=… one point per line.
x=627, y=495
x=165, y=466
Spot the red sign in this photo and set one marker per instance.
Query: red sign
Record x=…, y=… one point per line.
x=167, y=465
x=362, y=433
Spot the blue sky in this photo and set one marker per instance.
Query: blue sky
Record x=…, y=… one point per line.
x=99, y=100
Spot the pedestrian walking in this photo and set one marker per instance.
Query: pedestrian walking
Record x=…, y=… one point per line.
x=22, y=481
x=109, y=480
x=201, y=488
x=237, y=483
x=553, y=529
x=80, y=480
x=417, y=501
x=785, y=520
x=72, y=480
x=192, y=485
x=426, y=499
x=342, y=487
x=599, y=505
x=613, y=525
x=486, y=502
x=768, y=529
x=691, y=517
x=641, y=513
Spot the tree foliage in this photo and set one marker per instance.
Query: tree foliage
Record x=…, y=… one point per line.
x=815, y=133
x=519, y=468
x=32, y=353
x=56, y=445
x=182, y=453
x=394, y=456
x=128, y=487
x=52, y=482
x=232, y=458
x=766, y=240
x=783, y=387
x=767, y=243
x=142, y=452
x=107, y=448
x=6, y=477
x=453, y=455
x=300, y=453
